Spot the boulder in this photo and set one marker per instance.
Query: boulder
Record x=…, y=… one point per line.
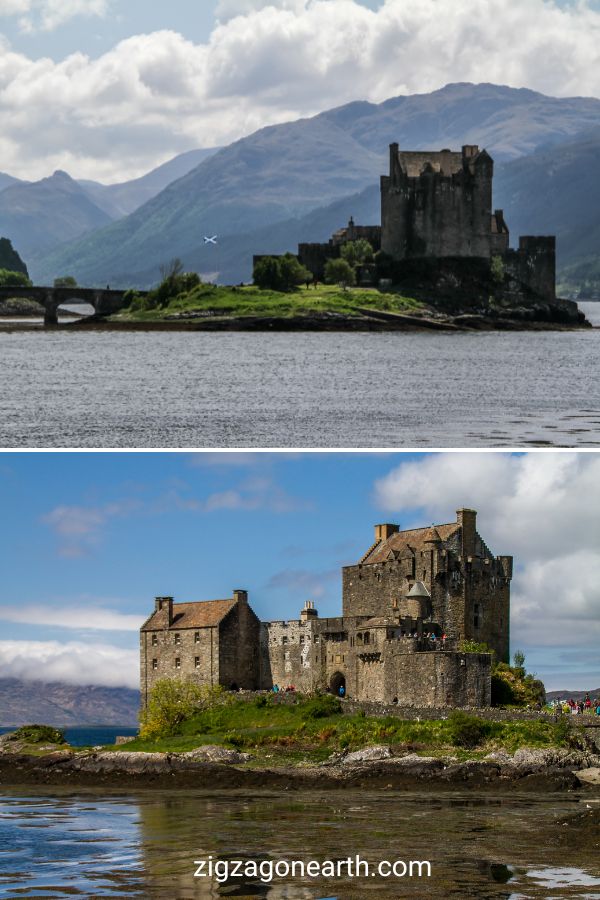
x=216, y=754
x=589, y=776
x=368, y=754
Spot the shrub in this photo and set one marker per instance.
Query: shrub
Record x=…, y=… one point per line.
x=280, y=273
x=474, y=647
x=10, y=259
x=65, y=281
x=8, y=278
x=465, y=730
x=322, y=707
x=497, y=269
x=339, y=271
x=173, y=701
x=357, y=252
x=38, y=734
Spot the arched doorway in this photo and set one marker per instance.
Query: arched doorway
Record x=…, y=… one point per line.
x=337, y=685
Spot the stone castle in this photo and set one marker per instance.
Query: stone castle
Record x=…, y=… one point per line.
x=437, y=205
x=408, y=606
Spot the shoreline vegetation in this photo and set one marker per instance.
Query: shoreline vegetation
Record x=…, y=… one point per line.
x=183, y=303
x=227, y=741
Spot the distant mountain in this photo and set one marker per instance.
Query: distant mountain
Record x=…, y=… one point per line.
x=572, y=695
x=38, y=216
x=35, y=702
x=556, y=191
x=118, y=200
x=7, y=180
x=285, y=171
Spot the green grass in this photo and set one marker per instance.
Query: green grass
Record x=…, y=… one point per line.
x=251, y=301
x=278, y=733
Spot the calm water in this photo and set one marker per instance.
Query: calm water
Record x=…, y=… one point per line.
x=300, y=390
x=87, y=845
x=90, y=736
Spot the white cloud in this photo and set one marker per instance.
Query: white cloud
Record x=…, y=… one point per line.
x=79, y=528
x=542, y=508
x=228, y=9
x=72, y=662
x=46, y=15
x=88, y=618
x=157, y=94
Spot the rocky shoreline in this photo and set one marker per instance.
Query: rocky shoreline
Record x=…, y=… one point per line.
x=374, y=768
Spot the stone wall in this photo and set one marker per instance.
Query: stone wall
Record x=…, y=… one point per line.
x=434, y=213
x=534, y=265
x=189, y=653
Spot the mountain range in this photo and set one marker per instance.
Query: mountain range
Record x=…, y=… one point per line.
x=58, y=704
x=301, y=181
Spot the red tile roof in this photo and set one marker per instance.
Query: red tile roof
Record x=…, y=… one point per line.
x=202, y=614
x=415, y=538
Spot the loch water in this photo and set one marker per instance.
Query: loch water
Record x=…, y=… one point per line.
x=61, y=843
x=194, y=389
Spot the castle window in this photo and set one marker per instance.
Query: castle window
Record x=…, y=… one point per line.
x=177, y=662
x=196, y=662
x=196, y=637
x=367, y=638
x=155, y=664
x=177, y=638
x=154, y=640
x=316, y=638
x=301, y=638
x=284, y=639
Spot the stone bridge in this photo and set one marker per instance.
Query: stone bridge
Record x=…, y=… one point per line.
x=105, y=301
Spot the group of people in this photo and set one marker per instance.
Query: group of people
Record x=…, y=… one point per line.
x=578, y=707
x=283, y=690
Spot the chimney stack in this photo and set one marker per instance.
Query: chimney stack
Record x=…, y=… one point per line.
x=309, y=611
x=467, y=519
x=164, y=605
x=240, y=596
x=383, y=532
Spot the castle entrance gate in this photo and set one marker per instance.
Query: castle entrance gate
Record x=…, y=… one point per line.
x=337, y=685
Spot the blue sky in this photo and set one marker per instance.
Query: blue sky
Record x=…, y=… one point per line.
x=89, y=539
x=108, y=89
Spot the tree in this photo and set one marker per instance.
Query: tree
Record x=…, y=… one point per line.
x=519, y=659
x=172, y=701
x=10, y=259
x=13, y=279
x=267, y=274
x=280, y=273
x=293, y=272
x=357, y=252
x=339, y=271
x=65, y=281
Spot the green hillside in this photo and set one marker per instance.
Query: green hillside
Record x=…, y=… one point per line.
x=286, y=171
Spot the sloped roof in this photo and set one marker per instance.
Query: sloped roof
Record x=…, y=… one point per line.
x=415, y=538
x=202, y=614
x=418, y=590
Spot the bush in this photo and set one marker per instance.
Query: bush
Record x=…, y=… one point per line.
x=10, y=259
x=38, y=734
x=172, y=701
x=497, y=269
x=339, y=271
x=467, y=731
x=9, y=278
x=322, y=707
x=356, y=253
x=280, y=273
x=65, y=281
x=511, y=686
x=474, y=647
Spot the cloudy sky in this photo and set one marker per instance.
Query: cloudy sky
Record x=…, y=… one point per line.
x=89, y=539
x=107, y=89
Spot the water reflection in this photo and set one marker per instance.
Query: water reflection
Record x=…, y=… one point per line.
x=151, y=845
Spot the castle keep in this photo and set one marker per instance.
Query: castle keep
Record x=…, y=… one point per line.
x=408, y=606
x=437, y=205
